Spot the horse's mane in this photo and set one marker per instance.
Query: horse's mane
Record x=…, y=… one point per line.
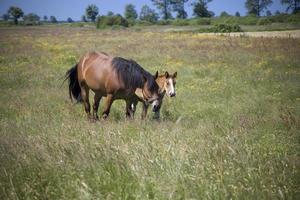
x=131, y=73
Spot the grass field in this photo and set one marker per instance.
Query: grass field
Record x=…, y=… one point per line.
x=232, y=132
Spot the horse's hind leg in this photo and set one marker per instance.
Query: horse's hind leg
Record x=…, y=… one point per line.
x=109, y=101
x=97, y=99
x=85, y=98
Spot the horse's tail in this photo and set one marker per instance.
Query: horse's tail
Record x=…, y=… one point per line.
x=74, y=88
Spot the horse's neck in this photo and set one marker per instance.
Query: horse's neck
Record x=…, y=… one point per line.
x=160, y=82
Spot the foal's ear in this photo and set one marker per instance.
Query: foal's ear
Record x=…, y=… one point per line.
x=175, y=75
x=155, y=75
x=167, y=74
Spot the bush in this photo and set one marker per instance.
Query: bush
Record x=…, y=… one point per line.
x=164, y=22
x=264, y=21
x=105, y=21
x=226, y=28
x=144, y=23
x=279, y=18
x=201, y=21
x=31, y=19
x=295, y=18
x=180, y=22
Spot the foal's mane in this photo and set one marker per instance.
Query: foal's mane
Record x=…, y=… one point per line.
x=131, y=73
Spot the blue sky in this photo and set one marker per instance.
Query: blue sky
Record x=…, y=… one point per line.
x=62, y=9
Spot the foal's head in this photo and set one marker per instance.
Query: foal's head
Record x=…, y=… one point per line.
x=169, y=84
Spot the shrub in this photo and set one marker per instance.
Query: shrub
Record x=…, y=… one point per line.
x=295, y=18
x=201, y=21
x=226, y=28
x=105, y=21
x=164, y=22
x=31, y=19
x=279, y=18
x=248, y=20
x=180, y=22
x=144, y=23
x=264, y=21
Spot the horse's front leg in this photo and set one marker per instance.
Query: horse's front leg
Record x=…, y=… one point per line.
x=157, y=115
x=145, y=109
x=109, y=101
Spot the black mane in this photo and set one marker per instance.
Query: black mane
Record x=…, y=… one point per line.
x=132, y=74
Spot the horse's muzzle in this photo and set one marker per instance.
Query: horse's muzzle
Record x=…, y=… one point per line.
x=155, y=108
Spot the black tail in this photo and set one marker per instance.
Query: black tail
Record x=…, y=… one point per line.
x=74, y=88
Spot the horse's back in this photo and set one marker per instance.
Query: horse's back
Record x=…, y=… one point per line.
x=97, y=72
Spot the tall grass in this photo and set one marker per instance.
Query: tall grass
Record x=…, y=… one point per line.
x=232, y=132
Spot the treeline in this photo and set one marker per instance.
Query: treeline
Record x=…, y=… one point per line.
x=171, y=12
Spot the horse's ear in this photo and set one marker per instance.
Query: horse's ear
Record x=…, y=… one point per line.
x=175, y=75
x=155, y=75
x=144, y=79
x=167, y=74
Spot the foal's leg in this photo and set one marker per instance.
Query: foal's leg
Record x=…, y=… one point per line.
x=157, y=113
x=130, y=109
x=133, y=107
x=97, y=99
x=145, y=109
x=109, y=101
x=86, y=102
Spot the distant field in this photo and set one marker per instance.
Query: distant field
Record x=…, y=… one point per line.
x=232, y=132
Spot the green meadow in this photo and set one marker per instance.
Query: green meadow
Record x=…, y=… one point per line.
x=231, y=132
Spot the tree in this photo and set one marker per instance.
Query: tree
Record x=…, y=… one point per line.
x=130, y=12
x=268, y=13
x=237, y=14
x=15, y=13
x=110, y=13
x=83, y=18
x=200, y=9
x=45, y=18
x=277, y=12
x=70, y=20
x=92, y=12
x=53, y=19
x=31, y=19
x=5, y=17
x=224, y=14
x=165, y=7
x=178, y=6
x=257, y=6
x=293, y=5
x=148, y=14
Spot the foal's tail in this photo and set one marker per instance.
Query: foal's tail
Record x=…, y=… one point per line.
x=74, y=88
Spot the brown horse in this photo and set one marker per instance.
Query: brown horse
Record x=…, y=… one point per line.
x=166, y=83
x=114, y=78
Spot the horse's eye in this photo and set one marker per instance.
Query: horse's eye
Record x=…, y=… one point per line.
x=168, y=83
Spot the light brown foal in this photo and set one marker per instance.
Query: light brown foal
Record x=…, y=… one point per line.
x=166, y=83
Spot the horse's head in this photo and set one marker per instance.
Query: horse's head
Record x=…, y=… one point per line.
x=150, y=92
x=169, y=84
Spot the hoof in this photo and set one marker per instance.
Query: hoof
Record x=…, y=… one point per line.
x=92, y=120
x=104, y=116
